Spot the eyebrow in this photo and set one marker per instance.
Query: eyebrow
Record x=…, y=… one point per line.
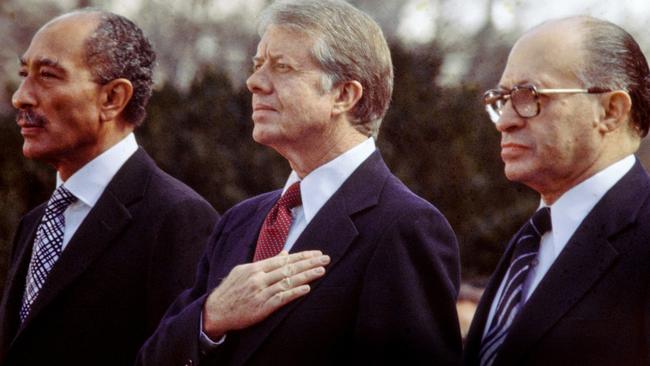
x=273, y=58
x=520, y=83
x=43, y=61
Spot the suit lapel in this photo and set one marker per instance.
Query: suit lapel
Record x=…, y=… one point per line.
x=332, y=231
x=242, y=248
x=586, y=258
x=104, y=222
x=479, y=321
x=15, y=281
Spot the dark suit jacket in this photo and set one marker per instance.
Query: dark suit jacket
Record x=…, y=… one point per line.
x=134, y=253
x=593, y=305
x=388, y=295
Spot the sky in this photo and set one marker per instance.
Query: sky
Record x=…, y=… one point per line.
x=467, y=16
x=418, y=18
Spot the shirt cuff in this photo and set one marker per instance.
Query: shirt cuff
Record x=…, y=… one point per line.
x=205, y=343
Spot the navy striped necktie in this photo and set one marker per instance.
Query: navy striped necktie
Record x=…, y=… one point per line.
x=510, y=302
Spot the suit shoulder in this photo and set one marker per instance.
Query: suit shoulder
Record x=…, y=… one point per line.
x=397, y=197
x=172, y=189
x=140, y=175
x=244, y=210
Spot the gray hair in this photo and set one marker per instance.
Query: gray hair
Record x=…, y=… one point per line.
x=119, y=49
x=615, y=61
x=349, y=46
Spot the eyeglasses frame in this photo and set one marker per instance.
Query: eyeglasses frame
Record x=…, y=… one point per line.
x=506, y=94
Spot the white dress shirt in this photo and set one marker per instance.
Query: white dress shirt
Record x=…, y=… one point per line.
x=315, y=190
x=321, y=184
x=89, y=182
x=567, y=213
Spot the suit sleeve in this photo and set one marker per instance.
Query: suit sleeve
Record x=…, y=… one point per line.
x=407, y=309
x=181, y=239
x=176, y=340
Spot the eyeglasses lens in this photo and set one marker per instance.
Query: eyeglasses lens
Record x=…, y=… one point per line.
x=494, y=102
x=524, y=101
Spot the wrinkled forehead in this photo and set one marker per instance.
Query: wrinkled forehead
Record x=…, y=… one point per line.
x=285, y=40
x=547, y=56
x=62, y=40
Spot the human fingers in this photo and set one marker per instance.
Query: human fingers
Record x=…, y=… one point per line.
x=270, y=264
x=284, y=297
x=290, y=269
x=290, y=283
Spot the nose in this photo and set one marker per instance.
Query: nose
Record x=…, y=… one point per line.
x=258, y=82
x=23, y=97
x=509, y=119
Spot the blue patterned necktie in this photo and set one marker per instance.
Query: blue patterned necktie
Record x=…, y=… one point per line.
x=511, y=301
x=47, y=246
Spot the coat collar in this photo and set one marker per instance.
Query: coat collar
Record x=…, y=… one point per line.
x=586, y=258
x=332, y=231
x=102, y=225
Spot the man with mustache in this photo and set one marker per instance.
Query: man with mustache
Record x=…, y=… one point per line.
x=573, y=287
x=93, y=270
x=321, y=83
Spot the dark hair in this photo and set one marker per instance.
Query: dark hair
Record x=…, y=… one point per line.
x=119, y=49
x=614, y=60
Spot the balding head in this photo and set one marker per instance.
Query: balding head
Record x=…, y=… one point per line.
x=565, y=113
x=116, y=48
x=86, y=79
x=607, y=57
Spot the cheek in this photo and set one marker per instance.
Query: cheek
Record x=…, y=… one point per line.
x=296, y=105
x=71, y=102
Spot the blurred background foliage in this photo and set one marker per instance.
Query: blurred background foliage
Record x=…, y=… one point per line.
x=436, y=136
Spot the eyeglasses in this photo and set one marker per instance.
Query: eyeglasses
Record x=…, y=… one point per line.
x=525, y=99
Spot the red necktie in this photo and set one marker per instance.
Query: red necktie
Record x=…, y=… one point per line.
x=277, y=223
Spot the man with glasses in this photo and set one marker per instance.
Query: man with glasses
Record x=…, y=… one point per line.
x=573, y=287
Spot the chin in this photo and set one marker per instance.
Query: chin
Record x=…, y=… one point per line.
x=262, y=137
x=42, y=152
x=516, y=173
x=31, y=153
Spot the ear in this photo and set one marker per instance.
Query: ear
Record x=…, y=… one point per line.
x=347, y=96
x=114, y=97
x=617, y=106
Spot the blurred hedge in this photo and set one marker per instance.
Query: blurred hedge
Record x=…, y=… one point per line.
x=437, y=139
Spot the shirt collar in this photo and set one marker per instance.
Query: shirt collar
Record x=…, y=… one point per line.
x=321, y=184
x=568, y=212
x=89, y=182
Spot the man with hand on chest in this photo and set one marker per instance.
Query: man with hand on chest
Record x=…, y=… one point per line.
x=321, y=83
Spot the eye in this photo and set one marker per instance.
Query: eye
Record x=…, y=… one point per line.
x=256, y=67
x=282, y=67
x=46, y=74
x=22, y=73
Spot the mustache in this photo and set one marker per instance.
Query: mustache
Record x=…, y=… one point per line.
x=31, y=118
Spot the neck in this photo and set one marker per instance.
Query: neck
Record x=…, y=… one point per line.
x=76, y=160
x=307, y=156
x=550, y=196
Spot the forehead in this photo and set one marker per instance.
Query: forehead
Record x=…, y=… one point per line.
x=61, y=41
x=278, y=41
x=547, y=56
